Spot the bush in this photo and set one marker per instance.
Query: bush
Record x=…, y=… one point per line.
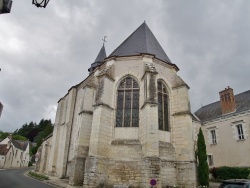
x=213, y=171
x=38, y=176
x=225, y=172
x=30, y=163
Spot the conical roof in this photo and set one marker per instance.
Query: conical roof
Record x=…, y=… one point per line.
x=142, y=40
x=99, y=59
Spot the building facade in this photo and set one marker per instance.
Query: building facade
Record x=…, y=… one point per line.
x=14, y=153
x=127, y=123
x=42, y=155
x=226, y=127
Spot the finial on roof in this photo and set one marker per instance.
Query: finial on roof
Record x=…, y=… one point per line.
x=104, y=39
x=144, y=21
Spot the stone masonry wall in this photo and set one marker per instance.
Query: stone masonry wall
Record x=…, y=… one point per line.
x=186, y=174
x=168, y=164
x=123, y=173
x=150, y=169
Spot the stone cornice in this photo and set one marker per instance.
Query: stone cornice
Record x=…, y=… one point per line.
x=107, y=76
x=182, y=113
x=86, y=112
x=154, y=103
x=182, y=85
x=103, y=104
x=126, y=142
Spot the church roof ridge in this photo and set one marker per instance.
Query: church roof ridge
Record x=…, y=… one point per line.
x=142, y=40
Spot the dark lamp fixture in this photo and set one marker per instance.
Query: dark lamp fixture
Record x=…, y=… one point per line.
x=40, y=3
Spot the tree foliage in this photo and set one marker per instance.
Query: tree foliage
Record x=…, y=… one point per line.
x=32, y=130
x=4, y=135
x=19, y=137
x=203, y=171
x=47, y=127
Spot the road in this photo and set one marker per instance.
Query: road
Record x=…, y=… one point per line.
x=15, y=178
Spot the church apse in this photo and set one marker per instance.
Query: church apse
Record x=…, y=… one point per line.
x=128, y=122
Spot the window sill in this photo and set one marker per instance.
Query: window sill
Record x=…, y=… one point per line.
x=240, y=140
x=163, y=131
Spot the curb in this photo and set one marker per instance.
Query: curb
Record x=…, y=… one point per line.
x=31, y=177
x=54, y=184
x=50, y=181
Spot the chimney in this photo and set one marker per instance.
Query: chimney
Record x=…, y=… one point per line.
x=8, y=145
x=227, y=100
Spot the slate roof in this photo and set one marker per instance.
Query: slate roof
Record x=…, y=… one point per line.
x=141, y=41
x=213, y=110
x=16, y=144
x=99, y=59
x=3, y=149
x=23, y=144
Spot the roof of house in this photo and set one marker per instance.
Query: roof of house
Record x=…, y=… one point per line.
x=3, y=149
x=23, y=144
x=16, y=144
x=99, y=59
x=213, y=110
x=141, y=41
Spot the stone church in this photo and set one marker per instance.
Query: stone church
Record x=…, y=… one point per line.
x=127, y=123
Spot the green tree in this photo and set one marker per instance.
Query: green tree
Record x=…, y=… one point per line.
x=4, y=135
x=203, y=171
x=19, y=137
x=47, y=127
x=29, y=131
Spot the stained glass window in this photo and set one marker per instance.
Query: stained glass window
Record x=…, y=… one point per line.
x=127, y=111
x=163, y=116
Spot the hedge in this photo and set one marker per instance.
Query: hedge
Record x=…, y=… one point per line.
x=225, y=172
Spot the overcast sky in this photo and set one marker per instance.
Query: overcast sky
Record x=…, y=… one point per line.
x=43, y=52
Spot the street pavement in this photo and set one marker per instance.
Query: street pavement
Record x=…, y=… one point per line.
x=15, y=178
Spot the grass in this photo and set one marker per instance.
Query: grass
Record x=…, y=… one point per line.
x=38, y=176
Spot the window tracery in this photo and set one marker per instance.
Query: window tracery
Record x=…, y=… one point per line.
x=127, y=112
x=163, y=117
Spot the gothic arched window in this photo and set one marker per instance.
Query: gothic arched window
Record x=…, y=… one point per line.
x=127, y=113
x=163, y=117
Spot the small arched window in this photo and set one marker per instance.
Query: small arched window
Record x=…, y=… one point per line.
x=163, y=117
x=127, y=112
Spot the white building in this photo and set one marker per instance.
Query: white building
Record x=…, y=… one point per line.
x=15, y=153
x=226, y=128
